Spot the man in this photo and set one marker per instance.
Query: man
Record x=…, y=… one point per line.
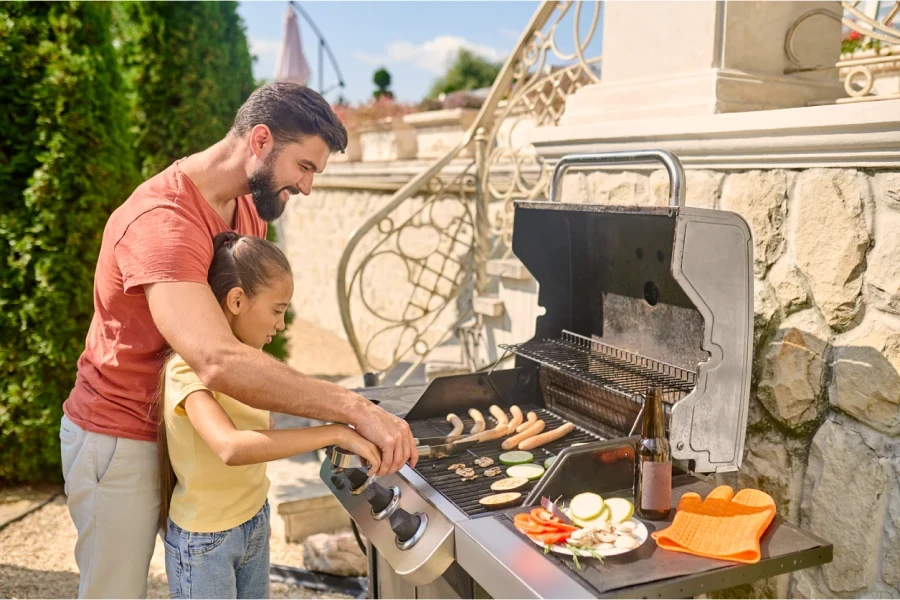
x=150, y=293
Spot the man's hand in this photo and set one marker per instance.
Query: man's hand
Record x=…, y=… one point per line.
x=392, y=436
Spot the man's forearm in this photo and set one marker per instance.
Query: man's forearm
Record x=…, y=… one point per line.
x=260, y=381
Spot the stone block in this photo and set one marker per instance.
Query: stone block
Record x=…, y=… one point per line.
x=303, y=518
x=866, y=383
x=844, y=503
x=883, y=269
x=761, y=198
x=703, y=188
x=334, y=554
x=793, y=370
x=789, y=285
x=890, y=568
x=624, y=188
x=764, y=303
x=831, y=239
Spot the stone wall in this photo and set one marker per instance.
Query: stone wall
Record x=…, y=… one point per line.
x=823, y=435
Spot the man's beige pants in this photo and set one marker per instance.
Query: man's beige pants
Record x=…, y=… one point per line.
x=113, y=497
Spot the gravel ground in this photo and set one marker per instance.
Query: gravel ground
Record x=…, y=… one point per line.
x=37, y=560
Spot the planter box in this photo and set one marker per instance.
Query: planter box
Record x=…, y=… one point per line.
x=390, y=139
x=438, y=131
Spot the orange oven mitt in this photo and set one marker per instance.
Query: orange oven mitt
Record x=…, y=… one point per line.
x=724, y=526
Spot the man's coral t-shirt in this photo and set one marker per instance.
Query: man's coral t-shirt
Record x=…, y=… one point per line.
x=163, y=232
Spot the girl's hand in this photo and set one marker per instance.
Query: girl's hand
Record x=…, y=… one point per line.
x=352, y=441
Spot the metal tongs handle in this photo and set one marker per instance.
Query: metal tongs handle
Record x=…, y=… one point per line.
x=668, y=160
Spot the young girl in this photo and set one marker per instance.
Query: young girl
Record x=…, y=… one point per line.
x=213, y=449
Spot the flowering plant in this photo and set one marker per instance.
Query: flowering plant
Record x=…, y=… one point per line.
x=353, y=117
x=854, y=41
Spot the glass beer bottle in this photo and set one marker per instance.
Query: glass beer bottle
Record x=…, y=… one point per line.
x=653, y=462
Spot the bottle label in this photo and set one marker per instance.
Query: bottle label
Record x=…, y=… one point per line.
x=656, y=490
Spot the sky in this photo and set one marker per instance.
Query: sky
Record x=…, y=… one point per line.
x=413, y=40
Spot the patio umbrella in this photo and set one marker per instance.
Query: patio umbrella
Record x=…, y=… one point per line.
x=291, y=64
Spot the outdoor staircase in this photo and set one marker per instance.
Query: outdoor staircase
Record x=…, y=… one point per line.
x=506, y=316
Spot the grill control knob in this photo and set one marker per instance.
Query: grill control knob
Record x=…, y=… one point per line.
x=378, y=496
x=384, y=501
x=357, y=478
x=409, y=527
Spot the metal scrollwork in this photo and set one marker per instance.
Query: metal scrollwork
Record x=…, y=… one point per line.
x=859, y=68
x=444, y=225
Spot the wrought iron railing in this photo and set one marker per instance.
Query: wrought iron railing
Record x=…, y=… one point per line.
x=858, y=69
x=442, y=227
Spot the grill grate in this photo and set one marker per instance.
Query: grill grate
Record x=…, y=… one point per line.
x=466, y=494
x=603, y=383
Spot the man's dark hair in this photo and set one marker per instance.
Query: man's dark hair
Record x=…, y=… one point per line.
x=291, y=111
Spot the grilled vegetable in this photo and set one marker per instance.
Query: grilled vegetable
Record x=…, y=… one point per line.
x=504, y=500
x=516, y=420
x=457, y=424
x=484, y=461
x=509, y=484
x=531, y=419
x=492, y=472
x=530, y=472
x=517, y=439
x=587, y=506
x=516, y=457
x=476, y=415
x=549, y=462
x=499, y=414
x=545, y=438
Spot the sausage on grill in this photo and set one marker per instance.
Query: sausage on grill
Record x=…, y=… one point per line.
x=457, y=424
x=532, y=419
x=516, y=420
x=499, y=414
x=545, y=438
x=478, y=427
x=536, y=428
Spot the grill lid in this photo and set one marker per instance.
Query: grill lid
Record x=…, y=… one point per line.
x=670, y=289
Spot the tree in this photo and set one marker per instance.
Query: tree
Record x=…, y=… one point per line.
x=382, y=80
x=65, y=164
x=189, y=69
x=467, y=72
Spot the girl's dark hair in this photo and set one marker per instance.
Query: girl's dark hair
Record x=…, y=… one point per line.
x=247, y=262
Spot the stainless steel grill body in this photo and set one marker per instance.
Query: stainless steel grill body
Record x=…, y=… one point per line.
x=633, y=297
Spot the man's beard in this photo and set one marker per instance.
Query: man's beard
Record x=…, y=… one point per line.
x=264, y=191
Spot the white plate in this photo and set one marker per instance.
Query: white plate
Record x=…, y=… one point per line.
x=640, y=532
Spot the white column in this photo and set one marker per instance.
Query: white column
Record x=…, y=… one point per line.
x=706, y=57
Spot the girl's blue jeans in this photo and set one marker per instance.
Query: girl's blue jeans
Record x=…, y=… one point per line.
x=224, y=564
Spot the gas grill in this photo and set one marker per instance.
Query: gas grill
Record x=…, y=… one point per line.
x=633, y=297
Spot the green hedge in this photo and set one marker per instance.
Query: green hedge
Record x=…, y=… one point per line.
x=80, y=122
x=188, y=69
x=65, y=164
x=279, y=346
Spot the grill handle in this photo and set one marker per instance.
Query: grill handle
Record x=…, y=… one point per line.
x=640, y=157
